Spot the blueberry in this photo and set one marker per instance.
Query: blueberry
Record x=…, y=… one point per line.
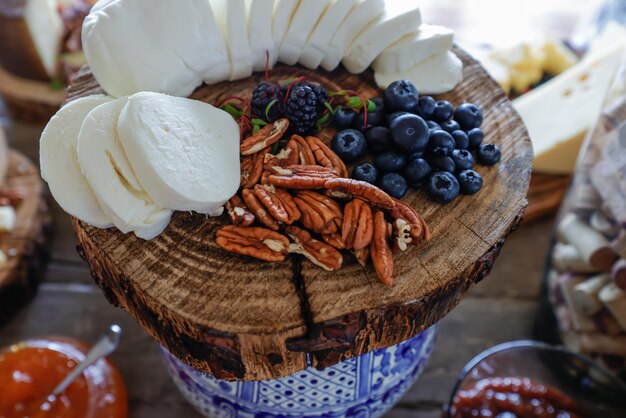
x=469, y=116
x=395, y=115
x=470, y=181
x=440, y=143
x=461, y=139
x=344, y=118
x=450, y=126
x=390, y=161
x=463, y=159
x=433, y=126
x=401, y=95
x=378, y=139
x=394, y=185
x=488, y=154
x=373, y=119
x=443, y=111
x=417, y=171
x=349, y=145
x=475, y=136
x=380, y=106
x=442, y=163
x=419, y=154
x=409, y=133
x=365, y=172
x=443, y=187
x=426, y=107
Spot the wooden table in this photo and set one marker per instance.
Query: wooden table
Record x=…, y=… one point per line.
x=500, y=308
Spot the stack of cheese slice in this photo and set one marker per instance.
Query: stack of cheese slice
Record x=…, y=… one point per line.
x=163, y=46
x=129, y=162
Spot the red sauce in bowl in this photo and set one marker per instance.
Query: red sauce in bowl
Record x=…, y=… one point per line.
x=513, y=397
x=29, y=372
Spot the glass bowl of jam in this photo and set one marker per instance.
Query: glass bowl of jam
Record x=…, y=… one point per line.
x=530, y=379
x=30, y=370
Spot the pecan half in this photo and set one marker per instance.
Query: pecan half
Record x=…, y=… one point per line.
x=254, y=242
x=419, y=228
x=358, y=224
x=265, y=137
x=305, y=153
x=302, y=177
x=320, y=213
x=365, y=191
x=362, y=255
x=401, y=235
x=238, y=212
x=259, y=210
x=252, y=169
x=334, y=240
x=319, y=253
x=326, y=157
x=286, y=157
x=380, y=250
x=278, y=202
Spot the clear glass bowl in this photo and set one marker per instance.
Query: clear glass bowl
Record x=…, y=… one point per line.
x=595, y=391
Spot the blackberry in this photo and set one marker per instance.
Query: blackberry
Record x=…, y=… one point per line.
x=262, y=96
x=320, y=92
x=302, y=110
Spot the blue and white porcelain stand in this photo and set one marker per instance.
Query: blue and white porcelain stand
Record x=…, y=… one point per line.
x=362, y=387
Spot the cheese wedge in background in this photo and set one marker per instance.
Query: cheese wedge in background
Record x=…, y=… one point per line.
x=558, y=57
x=231, y=16
x=106, y=168
x=559, y=113
x=414, y=48
x=260, y=14
x=438, y=74
x=58, y=160
x=315, y=47
x=525, y=63
x=401, y=17
x=283, y=12
x=185, y=153
x=499, y=72
x=154, y=45
x=361, y=16
x=302, y=24
x=30, y=38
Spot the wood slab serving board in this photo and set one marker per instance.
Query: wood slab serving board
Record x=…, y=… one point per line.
x=25, y=246
x=238, y=318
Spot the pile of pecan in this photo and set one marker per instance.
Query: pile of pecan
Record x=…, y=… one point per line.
x=303, y=202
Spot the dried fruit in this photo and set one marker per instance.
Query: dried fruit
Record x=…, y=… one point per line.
x=238, y=212
x=252, y=169
x=366, y=191
x=320, y=213
x=259, y=210
x=301, y=177
x=319, y=253
x=358, y=225
x=255, y=242
x=326, y=157
x=265, y=137
x=380, y=250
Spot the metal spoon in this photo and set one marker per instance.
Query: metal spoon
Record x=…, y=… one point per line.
x=107, y=344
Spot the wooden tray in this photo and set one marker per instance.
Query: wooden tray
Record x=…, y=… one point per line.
x=26, y=246
x=237, y=318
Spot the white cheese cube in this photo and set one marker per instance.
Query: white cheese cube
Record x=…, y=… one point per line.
x=302, y=24
x=231, y=16
x=436, y=75
x=315, y=48
x=7, y=218
x=260, y=14
x=361, y=16
x=401, y=17
x=429, y=40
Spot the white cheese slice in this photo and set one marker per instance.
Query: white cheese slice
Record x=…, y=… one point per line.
x=231, y=16
x=436, y=75
x=401, y=17
x=260, y=14
x=283, y=12
x=302, y=24
x=46, y=31
x=106, y=168
x=361, y=16
x=154, y=45
x=315, y=47
x=559, y=113
x=58, y=160
x=7, y=219
x=185, y=152
x=414, y=48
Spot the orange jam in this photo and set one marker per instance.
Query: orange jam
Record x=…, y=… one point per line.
x=30, y=371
